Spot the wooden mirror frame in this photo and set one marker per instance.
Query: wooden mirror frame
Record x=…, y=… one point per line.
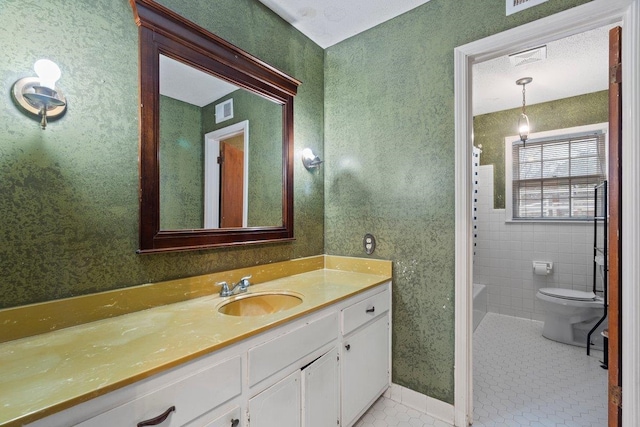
x=162, y=31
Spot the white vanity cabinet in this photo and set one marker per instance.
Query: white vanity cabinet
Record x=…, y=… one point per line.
x=279, y=405
x=321, y=391
x=322, y=369
x=365, y=355
x=308, y=397
x=231, y=418
x=177, y=403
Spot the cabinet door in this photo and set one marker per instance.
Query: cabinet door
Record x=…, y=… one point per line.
x=320, y=391
x=365, y=368
x=277, y=406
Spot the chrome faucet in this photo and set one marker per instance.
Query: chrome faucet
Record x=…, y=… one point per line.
x=239, y=287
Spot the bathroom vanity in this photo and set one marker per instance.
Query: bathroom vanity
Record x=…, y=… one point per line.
x=321, y=362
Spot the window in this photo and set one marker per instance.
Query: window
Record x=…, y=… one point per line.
x=553, y=175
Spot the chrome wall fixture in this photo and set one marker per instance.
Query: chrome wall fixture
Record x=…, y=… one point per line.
x=523, y=121
x=310, y=160
x=38, y=96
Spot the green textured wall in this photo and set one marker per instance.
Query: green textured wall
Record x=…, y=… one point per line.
x=69, y=194
x=491, y=129
x=389, y=148
x=181, y=165
x=265, y=153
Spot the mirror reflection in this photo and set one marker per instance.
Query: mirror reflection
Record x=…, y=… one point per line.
x=220, y=153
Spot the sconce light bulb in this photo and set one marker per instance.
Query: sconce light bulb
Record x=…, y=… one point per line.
x=48, y=72
x=310, y=160
x=307, y=153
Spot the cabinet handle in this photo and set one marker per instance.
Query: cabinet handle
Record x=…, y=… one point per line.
x=371, y=310
x=235, y=422
x=157, y=420
x=348, y=347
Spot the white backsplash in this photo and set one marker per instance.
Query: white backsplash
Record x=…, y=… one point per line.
x=504, y=253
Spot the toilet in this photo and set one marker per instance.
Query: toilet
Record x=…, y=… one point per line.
x=570, y=315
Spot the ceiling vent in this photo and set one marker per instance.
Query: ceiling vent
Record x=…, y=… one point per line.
x=514, y=6
x=528, y=56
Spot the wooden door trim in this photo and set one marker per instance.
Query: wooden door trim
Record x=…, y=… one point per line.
x=615, y=226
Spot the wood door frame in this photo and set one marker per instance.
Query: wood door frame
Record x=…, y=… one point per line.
x=576, y=20
x=212, y=172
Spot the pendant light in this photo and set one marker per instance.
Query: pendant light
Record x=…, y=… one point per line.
x=523, y=121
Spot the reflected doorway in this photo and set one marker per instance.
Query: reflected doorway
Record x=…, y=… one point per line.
x=226, y=176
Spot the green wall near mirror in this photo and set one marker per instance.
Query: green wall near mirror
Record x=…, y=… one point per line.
x=69, y=205
x=181, y=165
x=389, y=151
x=491, y=129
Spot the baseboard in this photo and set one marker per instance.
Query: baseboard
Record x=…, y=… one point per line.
x=421, y=402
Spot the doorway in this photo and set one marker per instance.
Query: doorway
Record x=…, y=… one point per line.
x=573, y=21
x=226, y=174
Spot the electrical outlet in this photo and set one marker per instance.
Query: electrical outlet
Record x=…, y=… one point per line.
x=369, y=243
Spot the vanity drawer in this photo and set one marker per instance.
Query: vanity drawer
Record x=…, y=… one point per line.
x=360, y=313
x=190, y=397
x=227, y=419
x=272, y=356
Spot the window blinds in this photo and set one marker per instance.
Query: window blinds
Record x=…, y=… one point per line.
x=555, y=177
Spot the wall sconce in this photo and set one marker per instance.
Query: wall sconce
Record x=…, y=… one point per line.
x=523, y=121
x=310, y=160
x=38, y=95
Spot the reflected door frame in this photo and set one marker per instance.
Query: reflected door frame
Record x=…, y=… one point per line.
x=212, y=172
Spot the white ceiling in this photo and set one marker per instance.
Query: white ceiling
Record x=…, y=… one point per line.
x=188, y=84
x=328, y=22
x=574, y=66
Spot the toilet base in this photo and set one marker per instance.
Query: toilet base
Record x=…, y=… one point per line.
x=558, y=328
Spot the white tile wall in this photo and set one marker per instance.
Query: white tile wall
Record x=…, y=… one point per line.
x=504, y=254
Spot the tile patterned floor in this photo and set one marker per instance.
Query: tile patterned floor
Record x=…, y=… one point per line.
x=524, y=379
x=520, y=379
x=385, y=412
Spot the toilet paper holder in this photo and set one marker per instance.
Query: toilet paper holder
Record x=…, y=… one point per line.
x=542, y=267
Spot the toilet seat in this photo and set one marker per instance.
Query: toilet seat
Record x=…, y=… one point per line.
x=569, y=294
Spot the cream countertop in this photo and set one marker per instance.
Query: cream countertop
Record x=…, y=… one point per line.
x=46, y=373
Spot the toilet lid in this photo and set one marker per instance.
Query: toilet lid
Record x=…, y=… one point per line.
x=568, y=294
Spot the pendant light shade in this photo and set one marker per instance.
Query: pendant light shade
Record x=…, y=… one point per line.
x=523, y=121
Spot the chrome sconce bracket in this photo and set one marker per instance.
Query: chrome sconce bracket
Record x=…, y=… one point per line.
x=310, y=160
x=39, y=96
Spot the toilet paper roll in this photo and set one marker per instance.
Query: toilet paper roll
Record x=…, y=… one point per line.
x=540, y=269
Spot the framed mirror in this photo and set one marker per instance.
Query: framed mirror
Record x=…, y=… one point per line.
x=216, y=139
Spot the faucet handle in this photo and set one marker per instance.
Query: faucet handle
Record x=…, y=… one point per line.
x=224, y=289
x=244, y=283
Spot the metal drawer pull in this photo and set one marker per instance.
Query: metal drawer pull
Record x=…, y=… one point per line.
x=159, y=419
x=371, y=310
x=348, y=347
x=235, y=422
